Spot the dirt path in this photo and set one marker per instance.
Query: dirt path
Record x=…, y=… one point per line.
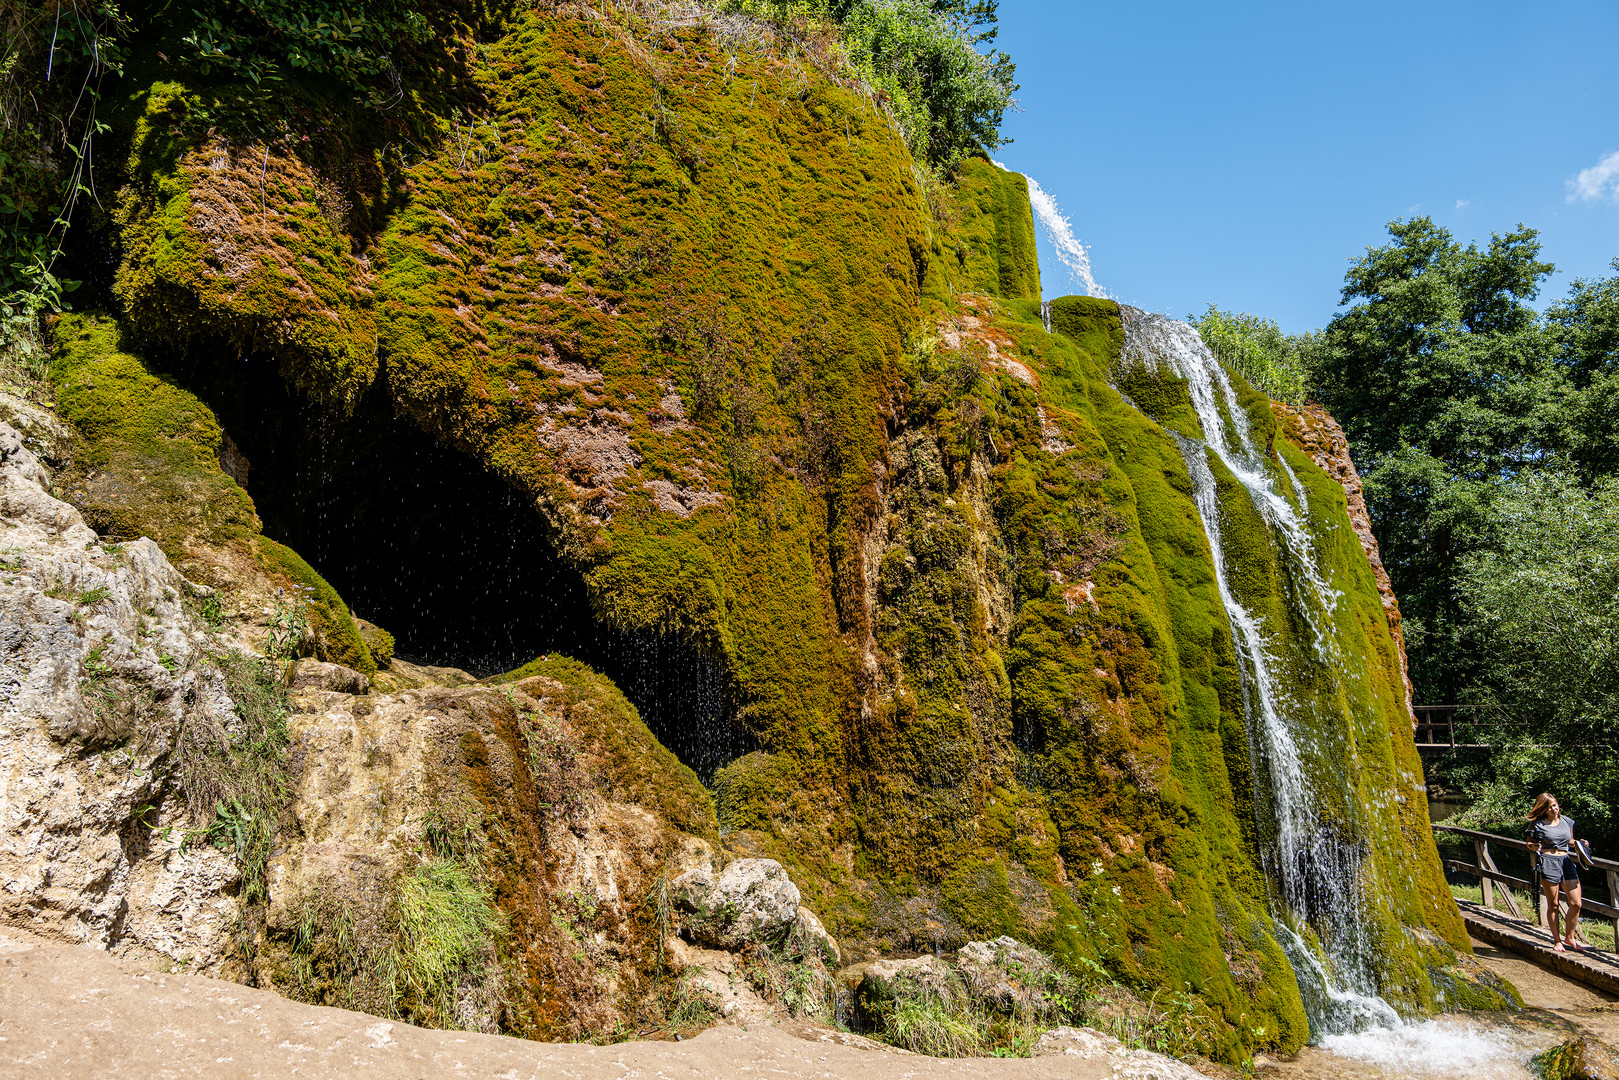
x=78, y=1012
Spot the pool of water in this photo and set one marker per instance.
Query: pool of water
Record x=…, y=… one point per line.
x=1442, y=1048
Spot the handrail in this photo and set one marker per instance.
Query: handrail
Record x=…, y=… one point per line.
x=1489, y=876
x=1507, y=841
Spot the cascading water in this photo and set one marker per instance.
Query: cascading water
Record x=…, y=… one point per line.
x=1317, y=866
x=1060, y=231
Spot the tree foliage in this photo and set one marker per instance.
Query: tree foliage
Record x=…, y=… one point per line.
x=922, y=59
x=1447, y=386
x=1256, y=348
x=1543, y=593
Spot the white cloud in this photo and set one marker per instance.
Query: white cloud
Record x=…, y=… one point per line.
x=1462, y=202
x=1598, y=182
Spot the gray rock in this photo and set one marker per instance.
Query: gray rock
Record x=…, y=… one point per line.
x=751, y=900
x=311, y=674
x=1008, y=975
x=100, y=667
x=813, y=938
x=877, y=984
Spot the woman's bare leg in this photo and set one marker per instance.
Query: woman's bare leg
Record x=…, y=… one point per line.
x=1552, y=909
x=1572, y=895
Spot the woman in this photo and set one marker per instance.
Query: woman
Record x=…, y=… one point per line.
x=1550, y=837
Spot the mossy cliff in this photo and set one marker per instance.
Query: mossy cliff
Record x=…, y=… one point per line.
x=684, y=293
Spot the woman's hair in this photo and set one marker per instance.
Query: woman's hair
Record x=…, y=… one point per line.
x=1541, y=808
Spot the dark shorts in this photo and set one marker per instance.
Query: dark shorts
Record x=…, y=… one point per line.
x=1562, y=870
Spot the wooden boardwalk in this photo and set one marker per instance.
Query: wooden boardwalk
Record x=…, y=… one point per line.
x=1592, y=967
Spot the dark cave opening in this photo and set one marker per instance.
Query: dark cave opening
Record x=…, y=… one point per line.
x=438, y=550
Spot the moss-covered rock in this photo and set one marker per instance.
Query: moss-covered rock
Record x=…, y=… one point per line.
x=151, y=460
x=684, y=294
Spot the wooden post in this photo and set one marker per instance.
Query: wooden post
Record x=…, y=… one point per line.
x=1481, y=859
x=1506, y=893
x=1613, y=901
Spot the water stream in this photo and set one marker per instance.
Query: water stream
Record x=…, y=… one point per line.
x=1315, y=866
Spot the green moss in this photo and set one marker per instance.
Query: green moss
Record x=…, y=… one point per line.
x=993, y=243
x=377, y=640
x=242, y=248
x=337, y=637
x=978, y=895
x=631, y=764
x=1158, y=394
x=148, y=464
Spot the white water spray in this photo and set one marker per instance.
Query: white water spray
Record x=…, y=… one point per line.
x=1060, y=231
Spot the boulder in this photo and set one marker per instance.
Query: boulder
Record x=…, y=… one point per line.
x=877, y=985
x=310, y=674
x=813, y=939
x=1011, y=977
x=750, y=901
x=1583, y=1058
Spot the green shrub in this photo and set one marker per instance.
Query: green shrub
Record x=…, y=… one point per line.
x=922, y=61
x=1258, y=350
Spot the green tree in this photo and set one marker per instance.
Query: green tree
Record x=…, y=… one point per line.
x=1544, y=596
x=1257, y=349
x=1447, y=383
x=1585, y=330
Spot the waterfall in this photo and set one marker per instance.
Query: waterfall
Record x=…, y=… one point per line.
x=1060, y=231
x=1315, y=865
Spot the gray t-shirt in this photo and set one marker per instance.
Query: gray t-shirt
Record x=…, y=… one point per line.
x=1555, y=839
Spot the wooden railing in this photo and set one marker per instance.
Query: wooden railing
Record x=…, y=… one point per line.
x=1435, y=727
x=1485, y=870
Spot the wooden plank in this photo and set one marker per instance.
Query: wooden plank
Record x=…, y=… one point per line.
x=1481, y=857
x=1596, y=969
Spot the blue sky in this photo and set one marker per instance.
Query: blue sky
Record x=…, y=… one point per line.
x=1243, y=153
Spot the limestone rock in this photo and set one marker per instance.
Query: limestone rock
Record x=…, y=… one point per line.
x=751, y=900
x=1086, y=1044
x=877, y=984
x=1006, y=974
x=813, y=938
x=100, y=667
x=311, y=674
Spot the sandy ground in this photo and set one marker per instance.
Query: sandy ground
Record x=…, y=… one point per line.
x=69, y=1012
x=78, y=1012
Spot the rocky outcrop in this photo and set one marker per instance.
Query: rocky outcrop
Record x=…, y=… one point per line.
x=104, y=672
x=1312, y=429
x=1582, y=1058
x=1000, y=989
x=490, y=852
x=751, y=900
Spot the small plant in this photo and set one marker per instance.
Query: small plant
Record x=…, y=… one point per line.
x=91, y=597
x=289, y=628
x=211, y=610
